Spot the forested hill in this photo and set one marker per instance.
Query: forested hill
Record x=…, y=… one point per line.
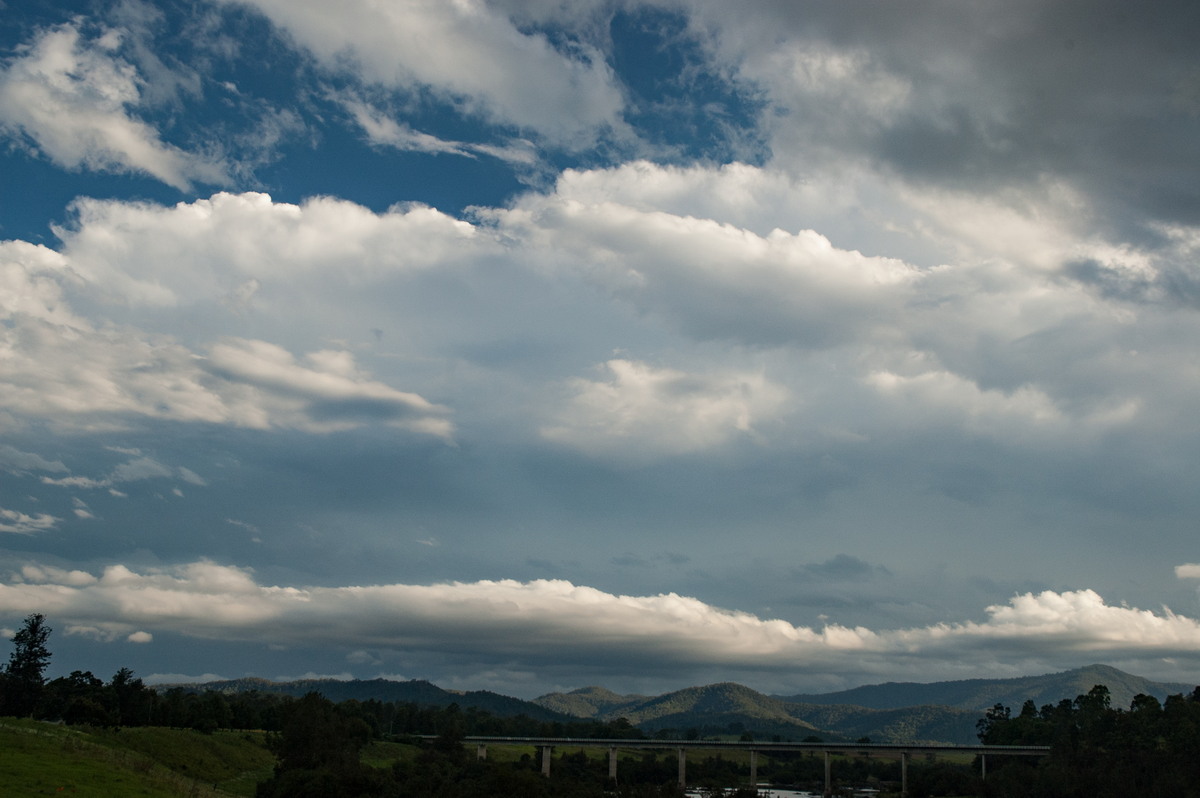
x=714, y=704
x=589, y=702
x=892, y=712
x=981, y=694
x=416, y=691
x=733, y=708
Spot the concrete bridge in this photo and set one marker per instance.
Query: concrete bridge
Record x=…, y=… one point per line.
x=681, y=747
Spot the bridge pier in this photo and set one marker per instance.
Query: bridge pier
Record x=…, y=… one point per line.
x=753, y=769
x=612, y=763
x=546, y=749
x=904, y=774
x=682, y=768
x=481, y=752
x=828, y=778
x=983, y=767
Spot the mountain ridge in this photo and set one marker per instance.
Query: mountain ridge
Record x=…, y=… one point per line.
x=981, y=694
x=934, y=712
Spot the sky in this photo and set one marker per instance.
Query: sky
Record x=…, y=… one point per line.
x=527, y=345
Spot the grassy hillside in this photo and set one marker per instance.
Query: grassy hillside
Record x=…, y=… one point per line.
x=980, y=694
x=47, y=759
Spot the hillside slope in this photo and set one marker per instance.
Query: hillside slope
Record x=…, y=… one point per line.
x=729, y=708
x=588, y=702
x=50, y=759
x=980, y=694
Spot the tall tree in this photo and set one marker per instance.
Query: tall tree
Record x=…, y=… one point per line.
x=24, y=678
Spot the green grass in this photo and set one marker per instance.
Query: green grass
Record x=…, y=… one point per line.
x=381, y=754
x=46, y=759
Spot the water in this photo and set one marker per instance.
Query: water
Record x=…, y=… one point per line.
x=767, y=792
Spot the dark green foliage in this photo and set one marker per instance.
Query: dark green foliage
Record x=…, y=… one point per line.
x=942, y=778
x=318, y=752
x=1097, y=750
x=23, y=677
x=79, y=699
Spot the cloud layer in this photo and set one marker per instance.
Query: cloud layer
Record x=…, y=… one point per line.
x=531, y=624
x=846, y=320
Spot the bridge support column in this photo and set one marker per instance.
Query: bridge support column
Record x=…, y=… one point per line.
x=983, y=767
x=612, y=763
x=828, y=778
x=904, y=774
x=682, y=767
x=754, y=770
x=481, y=752
x=546, y=749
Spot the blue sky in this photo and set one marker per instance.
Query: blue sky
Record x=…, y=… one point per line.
x=531, y=345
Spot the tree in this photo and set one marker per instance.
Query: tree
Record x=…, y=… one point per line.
x=134, y=701
x=24, y=679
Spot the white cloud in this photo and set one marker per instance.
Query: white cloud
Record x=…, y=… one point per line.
x=381, y=129
x=191, y=477
x=71, y=98
x=19, y=523
x=326, y=393
x=246, y=248
x=642, y=409
x=66, y=369
x=554, y=621
x=713, y=279
x=1004, y=346
x=1027, y=414
x=14, y=461
x=1189, y=570
x=465, y=52
x=182, y=678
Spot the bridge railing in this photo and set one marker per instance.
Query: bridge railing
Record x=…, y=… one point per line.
x=754, y=747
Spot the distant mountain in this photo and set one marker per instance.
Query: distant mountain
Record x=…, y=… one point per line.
x=918, y=724
x=892, y=712
x=729, y=708
x=588, y=702
x=416, y=691
x=713, y=705
x=980, y=694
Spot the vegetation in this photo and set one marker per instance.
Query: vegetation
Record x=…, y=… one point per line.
x=1152, y=749
x=47, y=759
x=270, y=744
x=22, y=684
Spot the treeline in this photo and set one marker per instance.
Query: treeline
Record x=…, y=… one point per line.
x=319, y=748
x=83, y=698
x=1151, y=749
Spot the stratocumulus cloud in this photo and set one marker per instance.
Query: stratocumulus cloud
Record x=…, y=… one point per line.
x=664, y=410
x=63, y=367
x=555, y=621
x=848, y=321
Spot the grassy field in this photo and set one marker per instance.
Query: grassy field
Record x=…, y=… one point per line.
x=46, y=759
